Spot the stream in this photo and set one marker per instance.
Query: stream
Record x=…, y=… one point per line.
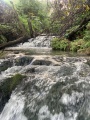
x=54, y=87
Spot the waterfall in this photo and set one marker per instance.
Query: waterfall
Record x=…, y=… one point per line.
x=13, y=110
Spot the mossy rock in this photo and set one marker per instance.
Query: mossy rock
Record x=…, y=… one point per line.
x=7, y=87
x=10, y=83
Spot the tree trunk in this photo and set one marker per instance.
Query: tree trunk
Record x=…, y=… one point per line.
x=18, y=20
x=11, y=43
x=72, y=36
x=30, y=28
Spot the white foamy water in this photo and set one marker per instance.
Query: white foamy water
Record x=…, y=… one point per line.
x=9, y=72
x=72, y=99
x=39, y=41
x=44, y=114
x=13, y=110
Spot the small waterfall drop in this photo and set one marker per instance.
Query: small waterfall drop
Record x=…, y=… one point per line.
x=13, y=110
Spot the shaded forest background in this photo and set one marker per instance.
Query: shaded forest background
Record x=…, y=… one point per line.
x=67, y=19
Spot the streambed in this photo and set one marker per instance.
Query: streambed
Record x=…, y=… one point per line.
x=55, y=87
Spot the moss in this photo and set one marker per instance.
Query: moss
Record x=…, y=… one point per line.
x=7, y=87
x=10, y=84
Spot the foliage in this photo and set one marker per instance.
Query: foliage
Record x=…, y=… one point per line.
x=69, y=14
x=87, y=33
x=87, y=36
x=2, y=39
x=86, y=45
x=55, y=27
x=23, y=19
x=6, y=28
x=65, y=45
x=58, y=44
x=57, y=17
x=16, y=15
x=37, y=12
x=76, y=45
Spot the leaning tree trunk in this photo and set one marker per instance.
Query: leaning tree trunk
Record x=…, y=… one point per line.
x=24, y=34
x=72, y=36
x=14, y=42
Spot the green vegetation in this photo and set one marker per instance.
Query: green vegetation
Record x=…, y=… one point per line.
x=58, y=44
x=74, y=46
x=81, y=44
x=33, y=17
x=30, y=17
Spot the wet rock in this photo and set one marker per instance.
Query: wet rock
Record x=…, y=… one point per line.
x=7, y=87
x=41, y=69
x=65, y=70
x=88, y=62
x=55, y=92
x=42, y=62
x=5, y=64
x=21, y=61
x=16, y=52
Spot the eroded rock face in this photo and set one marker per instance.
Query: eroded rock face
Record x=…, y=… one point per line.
x=56, y=88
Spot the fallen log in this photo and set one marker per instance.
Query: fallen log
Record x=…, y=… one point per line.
x=72, y=35
x=14, y=42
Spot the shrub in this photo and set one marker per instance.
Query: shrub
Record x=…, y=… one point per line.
x=58, y=44
x=24, y=21
x=87, y=33
x=88, y=26
x=76, y=45
x=86, y=45
x=2, y=39
x=87, y=36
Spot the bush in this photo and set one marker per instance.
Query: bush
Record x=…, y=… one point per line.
x=86, y=45
x=2, y=39
x=87, y=36
x=58, y=44
x=24, y=21
x=87, y=33
x=88, y=26
x=76, y=45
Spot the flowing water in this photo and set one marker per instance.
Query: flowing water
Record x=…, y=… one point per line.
x=55, y=87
